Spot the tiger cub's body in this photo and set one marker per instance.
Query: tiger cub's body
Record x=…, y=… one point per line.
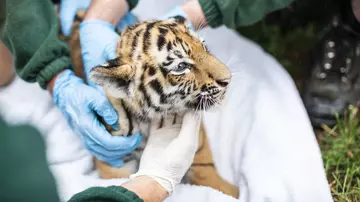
x=162, y=68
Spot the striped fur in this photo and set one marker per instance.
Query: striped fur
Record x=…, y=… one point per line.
x=162, y=69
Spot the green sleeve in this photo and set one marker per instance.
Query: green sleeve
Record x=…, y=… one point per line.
x=104, y=194
x=132, y=3
x=235, y=13
x=30, y=32
x=25, y=176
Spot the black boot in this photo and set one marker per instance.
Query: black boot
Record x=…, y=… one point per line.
x=333, y=81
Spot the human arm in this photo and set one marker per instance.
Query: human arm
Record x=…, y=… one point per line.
x=37, y=57
x=98, y=38
x=231, y=13
x=171, y=146
x=6, y=66
x=30, y=32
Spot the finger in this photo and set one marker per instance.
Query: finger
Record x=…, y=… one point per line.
x=103, y=152
x=115, y=125
x=110, y=51
x=128, y=19
x=104, y=109
x=67, y=14
x=102, y=137
x=113, y=161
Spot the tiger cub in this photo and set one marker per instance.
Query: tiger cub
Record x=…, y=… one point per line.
x=162, y=68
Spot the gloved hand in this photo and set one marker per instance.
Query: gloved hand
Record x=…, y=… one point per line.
x=81, y=104
x=178, y=11
x=170, y=150
x=68, y=9
x=98, y=41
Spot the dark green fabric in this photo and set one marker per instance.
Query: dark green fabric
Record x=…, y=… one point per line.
x=132, y=3
x=30, y=31
x=102, y=194
x=25, y=176
x=235, y=13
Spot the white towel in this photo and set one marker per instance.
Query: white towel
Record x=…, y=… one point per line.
x=261, y=139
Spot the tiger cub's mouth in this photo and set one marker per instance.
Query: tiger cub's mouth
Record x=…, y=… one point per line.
x=207, y=100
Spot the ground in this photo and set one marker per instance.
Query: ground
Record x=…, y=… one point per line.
x=289, y=35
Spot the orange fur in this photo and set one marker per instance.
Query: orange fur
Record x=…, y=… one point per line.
x=202, y=172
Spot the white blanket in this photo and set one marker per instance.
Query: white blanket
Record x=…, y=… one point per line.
x=262, y=139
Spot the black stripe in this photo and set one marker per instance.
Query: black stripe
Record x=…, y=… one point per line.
x=116, y=62
x=135, y=40
x=163, y=31
x=161, y=122
x=164, y=71
x=155, y=84
x=168, y=46
x=172, y=24
x=147, y=97
x=172, y=30
x=174, y=121
x=161, y=42
x=178, y=54
x=167, y=63
x=152, y=70
x=147, y=35
x=179, y=40
x=128, y=115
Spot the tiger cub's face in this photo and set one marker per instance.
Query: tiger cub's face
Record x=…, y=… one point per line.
x=162, y=66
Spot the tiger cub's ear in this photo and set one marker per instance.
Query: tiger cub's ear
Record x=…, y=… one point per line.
x=113, y=75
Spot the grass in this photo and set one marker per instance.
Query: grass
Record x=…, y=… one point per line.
x=289, y=37
x=340, y=147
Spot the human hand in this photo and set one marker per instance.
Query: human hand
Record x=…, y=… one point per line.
x=98, y=41
x=69, y=8
x=192, y=12
x=81, y=104
x=170, y=150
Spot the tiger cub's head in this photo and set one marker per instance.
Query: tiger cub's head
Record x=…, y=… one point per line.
x=163, y=66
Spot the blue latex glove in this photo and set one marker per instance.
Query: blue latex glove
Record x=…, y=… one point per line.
x=81, y=104
x=98, y=41
x=178, y=11
x=68, y=9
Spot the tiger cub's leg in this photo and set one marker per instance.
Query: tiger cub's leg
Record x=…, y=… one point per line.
x=203, y=171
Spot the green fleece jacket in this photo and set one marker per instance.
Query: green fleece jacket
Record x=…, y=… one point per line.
x=27, y=178
x=30, y=31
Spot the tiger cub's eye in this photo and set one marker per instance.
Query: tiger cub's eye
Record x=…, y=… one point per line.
x=182, y=68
